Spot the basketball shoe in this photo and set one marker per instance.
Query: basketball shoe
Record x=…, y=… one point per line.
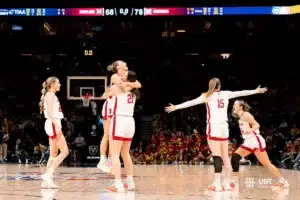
x=103, y=165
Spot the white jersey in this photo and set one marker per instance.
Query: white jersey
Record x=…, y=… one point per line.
x=246, y=126
x=107, y=109
x=217, y=104
x=57, y=111
x=123, y=104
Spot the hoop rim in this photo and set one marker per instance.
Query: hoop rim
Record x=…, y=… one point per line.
x=89, y=97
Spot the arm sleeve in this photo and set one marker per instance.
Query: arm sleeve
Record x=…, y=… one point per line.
x=236, y=94
x=190, y=103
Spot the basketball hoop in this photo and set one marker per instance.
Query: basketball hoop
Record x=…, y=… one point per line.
x=86, y=100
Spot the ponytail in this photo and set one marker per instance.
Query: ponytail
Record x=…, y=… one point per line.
x=113, y=67
x=213, y=85
x=110, y=68
x=43, y=91
x=207, y=94
x=244, y=105
x=46, y=85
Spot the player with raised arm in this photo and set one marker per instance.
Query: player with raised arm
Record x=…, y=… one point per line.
x=122, y=130
x=50, y=106
x=253, y=143
x=217, y=132
x=118, y=68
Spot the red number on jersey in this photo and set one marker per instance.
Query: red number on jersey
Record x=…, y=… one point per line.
x=220, y=103
x=129, y=98
x=110, y=112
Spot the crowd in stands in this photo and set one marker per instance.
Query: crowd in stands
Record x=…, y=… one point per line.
x=24, y=141
x=171, y=146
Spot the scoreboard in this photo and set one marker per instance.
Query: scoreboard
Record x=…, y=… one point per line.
x=152, y=11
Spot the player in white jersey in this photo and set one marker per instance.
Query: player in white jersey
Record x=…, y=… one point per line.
x=121, y=132
x=253, y=143
x=118, y=68
x=50, y=106
x=217, y=127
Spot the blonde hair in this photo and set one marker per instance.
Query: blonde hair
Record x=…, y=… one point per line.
x=113, y=67
x=45, y=87
x=213, y=85
x=245, y=105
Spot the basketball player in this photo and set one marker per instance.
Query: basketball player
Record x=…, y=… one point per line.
x=217, y=127
x=118, y=68
x=121, y=132
x=49, y=104
x=253, y=143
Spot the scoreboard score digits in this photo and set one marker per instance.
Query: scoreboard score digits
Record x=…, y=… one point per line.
x=151, y=11
x=124, y=11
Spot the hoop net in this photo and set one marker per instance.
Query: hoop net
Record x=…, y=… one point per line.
x=86, y=100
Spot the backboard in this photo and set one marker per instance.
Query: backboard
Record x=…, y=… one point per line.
x=78, y=86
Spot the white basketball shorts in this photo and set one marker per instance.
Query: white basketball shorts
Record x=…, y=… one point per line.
x=122, y=128
x=50, y=128
x=253, y=143
x=217, y=131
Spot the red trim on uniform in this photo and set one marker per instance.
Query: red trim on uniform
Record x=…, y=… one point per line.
x=114, y=123
x=114, y=132
x=208, y=134
x=208, y=120
x=216, y=138
x=111, y=114
x=252, y=150
x=114, y=111
x=105, y=110
x=259, y=142
x=115, y=106
x=246, y=148
x=208, y=130
x=54, y=132
x=255, y=149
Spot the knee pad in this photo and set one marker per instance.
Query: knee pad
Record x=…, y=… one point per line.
x=218, y=162
x=235, y=162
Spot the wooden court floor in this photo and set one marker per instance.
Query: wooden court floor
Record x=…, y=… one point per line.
x=153, y=182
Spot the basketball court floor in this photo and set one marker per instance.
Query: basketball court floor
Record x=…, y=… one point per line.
x=153, y=182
